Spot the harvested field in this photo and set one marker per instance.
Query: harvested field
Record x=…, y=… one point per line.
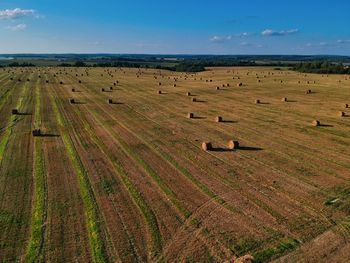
x=123, y=175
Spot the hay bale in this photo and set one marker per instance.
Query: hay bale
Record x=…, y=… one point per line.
x=61, y=82
x=308, y=91
x=188, y=93
x=218, y=119
x=217, y=88
x=79, y=81
x=159, y=84
x=315, y=123
x=102, y=89
x=174, y=85
x=206, y=146
x=257, y=101
x=341, y=113
x=14, y=111
x=71, y=101
x=346, y=105
x=73, y=90
x=36, y=132
x=194, y=99
x=233, y=144
x=239, y=84
x=110, y=101
x=159, y=92
x=190, y=115
x=284, y=99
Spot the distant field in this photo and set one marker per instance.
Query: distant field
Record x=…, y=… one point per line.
x=126, y=180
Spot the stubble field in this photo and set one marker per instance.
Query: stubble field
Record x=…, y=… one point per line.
x=126, y=180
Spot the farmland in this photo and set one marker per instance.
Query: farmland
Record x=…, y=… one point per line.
x=118, y=174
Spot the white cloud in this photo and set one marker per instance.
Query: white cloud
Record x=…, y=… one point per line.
x=270, y=32
x=218, y=39
x=244, y=34
x=18, y=27
x=15, y=13
x=343, y=41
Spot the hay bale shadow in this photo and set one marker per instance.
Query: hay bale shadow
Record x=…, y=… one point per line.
x=228, y=121
x=49, y=135
x=325, y=125
x=79, y=102
x=247, y=148
x=24, y=113
x=199, y=117
x=220, y=149
x=264, y=103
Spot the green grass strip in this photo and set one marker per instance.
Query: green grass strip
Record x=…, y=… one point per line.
x=146, y=211
x=38, y=213
x=91, y=213
x=33, y=253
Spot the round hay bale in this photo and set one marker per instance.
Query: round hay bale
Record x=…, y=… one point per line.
x=194, y=99
x=61, y=82
x=71, y=101
x=308, y=91
x=217, y=88
x=257, y=101
x=36, y=132
x=284, y=99
x=218, y=119
x=341, y=113
x=73, y=90
x=110, y=88
x=190, y=115
x=110, y=101
x=159, y=92
x=239, y=84
x=102, y=89
x=346, y=105
x=174, y=85
x=188, y=93
x=315, y=123
x=159, y=84
x=206, y=146
x=233, y=144
x=14, y=111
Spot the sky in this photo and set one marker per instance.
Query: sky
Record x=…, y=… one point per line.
x=305, y=27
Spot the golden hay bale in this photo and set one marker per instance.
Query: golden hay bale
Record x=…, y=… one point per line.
x=159, y=84
x=159, y=92
x=228, y=85
x=110, y=101
x=71, y=101
x=346, y=105
x=217, y=88
x=341, y=113
x=315, y=123
x=308, y=91
x=284, y=99
x=102, y=89
x=218, y=119
x=233, y=145
x=194, y=99
x=257, y=101
x=190, y=115
x=239, y=84
x=206, y=146
x=174, y=85
x=188, y=93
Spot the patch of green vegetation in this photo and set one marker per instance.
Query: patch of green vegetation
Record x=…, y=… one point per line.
x=267, y=254
x=107, y=185
x=244, y=245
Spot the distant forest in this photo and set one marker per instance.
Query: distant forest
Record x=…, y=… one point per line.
x=181, y=63
x=322, y=67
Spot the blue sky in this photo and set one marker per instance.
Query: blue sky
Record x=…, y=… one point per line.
x=175, y=27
